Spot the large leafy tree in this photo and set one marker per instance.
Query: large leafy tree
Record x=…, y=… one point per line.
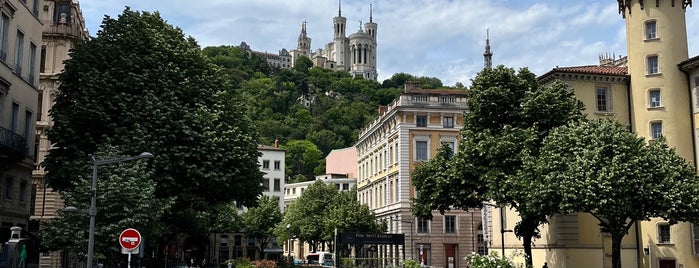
x=141, y=85
x=509, y=115
x=261, y=221
x=601, y=168
x=302, y=157
x=125, y=201
x=321, y=210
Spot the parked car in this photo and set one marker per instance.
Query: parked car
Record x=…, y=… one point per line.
x=180, y=265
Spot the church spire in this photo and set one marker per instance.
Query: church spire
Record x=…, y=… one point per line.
x=487, y=55
x=339, y=8
x=371, y=18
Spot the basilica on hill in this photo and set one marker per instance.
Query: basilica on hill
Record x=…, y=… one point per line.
x=355, y=53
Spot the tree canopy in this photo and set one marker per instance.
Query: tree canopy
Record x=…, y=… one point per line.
x=261, y=221
x=601, y=168
x=140, y=85
x=321, y=210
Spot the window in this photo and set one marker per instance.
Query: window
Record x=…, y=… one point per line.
x=482, y=249
x=5, y=21
x=32, y=62
x=603, y=99
x=277, y=185
x=42, y=64
x=664, y=233
x=651, y=30
x=277, y=164
x=451, y=146
x=28, y=127
x=14, y=124
x=421, y=121
x=35, y=8
x=23, y=191
x=265, y=164
x=450, y=224
x=654, y=98
x=265, y=184
x=652, y=62
x=421, y=151
x=19, y=52
x=345, y=186
x=423, y=225
x=8, y=188
x=448, y=122
x=656, y=130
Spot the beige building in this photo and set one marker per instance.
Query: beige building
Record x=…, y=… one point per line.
x=406, y=133
x=654, y=90
x=63, y=27
x=20, y=31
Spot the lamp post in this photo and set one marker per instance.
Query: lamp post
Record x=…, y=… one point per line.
x=411, y=236
x=502, y=226
x=288, y=247
x=93, y=201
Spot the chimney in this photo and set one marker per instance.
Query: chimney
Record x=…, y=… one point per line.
x=276, y=143
x=411, y=85
x=382, y=109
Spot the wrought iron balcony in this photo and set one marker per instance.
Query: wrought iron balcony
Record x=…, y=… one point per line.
x=12, y=144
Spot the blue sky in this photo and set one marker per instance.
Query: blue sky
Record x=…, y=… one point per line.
x=435, y=38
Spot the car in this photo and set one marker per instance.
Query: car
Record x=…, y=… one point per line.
x=180, y=265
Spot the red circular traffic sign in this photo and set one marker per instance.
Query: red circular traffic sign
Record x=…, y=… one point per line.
x=130, y=239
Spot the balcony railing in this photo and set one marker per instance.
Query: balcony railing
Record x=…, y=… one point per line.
x=12, y=143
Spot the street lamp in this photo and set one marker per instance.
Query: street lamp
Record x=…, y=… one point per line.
x=93, y=201
x=411, y=236
x=502, y=227
x=288, y=239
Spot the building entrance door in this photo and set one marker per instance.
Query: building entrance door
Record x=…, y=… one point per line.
x=450, y=254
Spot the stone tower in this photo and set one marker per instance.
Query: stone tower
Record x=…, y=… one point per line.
x=304, y=42
x=340, y=40
x=656, y=38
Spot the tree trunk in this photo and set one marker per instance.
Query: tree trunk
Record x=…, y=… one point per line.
x=616, y=250
x=527, y=243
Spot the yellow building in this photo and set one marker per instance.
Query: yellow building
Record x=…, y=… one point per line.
x=649, y=90
x=406, y=133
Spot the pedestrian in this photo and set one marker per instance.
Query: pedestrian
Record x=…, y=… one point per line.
x=230, y=264
x=545, y=265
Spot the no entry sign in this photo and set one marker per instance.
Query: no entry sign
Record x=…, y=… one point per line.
x=130, y=239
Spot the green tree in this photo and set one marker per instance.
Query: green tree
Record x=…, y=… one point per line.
x=510, y=114
x=601, y=168
x=306, y=215
x=123, y=189
x=140, y=85
x=302, y=157
x=260, y=221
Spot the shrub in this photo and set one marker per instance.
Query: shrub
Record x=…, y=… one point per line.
x=490, y=261
x=264, y=264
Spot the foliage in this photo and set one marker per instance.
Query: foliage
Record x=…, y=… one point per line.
x=140, y=85
x=490, y=261
x=302, y=157
x=601, y=168
x=123, y=189
x=260, y=221
x=510, y=114
x=411, y=264
x=264, y=264
x=321, y=210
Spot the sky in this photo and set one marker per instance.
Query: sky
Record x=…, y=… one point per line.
x=434, y=38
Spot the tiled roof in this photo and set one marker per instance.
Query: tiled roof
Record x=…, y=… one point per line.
x=589, y=69
x=690, y=64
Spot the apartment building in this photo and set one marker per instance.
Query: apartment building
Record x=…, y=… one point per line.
x=406, y=133
x=20, y=31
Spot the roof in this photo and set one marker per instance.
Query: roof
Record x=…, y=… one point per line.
x=270, y=148
x=690, y=64
x=588, y=69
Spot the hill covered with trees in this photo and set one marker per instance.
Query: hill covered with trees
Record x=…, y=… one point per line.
x=309, y=110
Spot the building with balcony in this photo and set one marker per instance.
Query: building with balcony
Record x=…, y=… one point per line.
x=20, y=31
x=407, y=132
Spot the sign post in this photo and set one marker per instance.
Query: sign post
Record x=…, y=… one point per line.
x=130, y=240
